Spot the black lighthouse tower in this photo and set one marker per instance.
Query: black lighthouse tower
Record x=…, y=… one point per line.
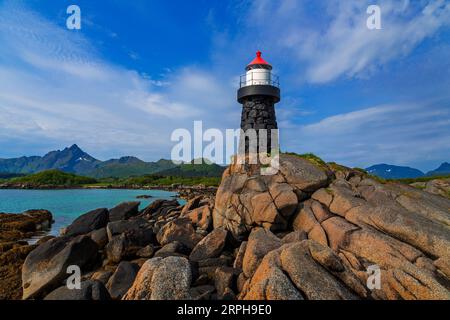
x=258, y=92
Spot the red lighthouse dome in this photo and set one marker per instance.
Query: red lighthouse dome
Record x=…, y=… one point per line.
x=259, y=63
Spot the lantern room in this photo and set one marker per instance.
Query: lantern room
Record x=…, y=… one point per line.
x=259, y=80
x=258, y=72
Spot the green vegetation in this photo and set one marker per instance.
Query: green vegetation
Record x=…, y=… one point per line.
x=128, y=167
x=361, y=170
x=53, y=178
x=311, y=157
x=56, y=178
x=169, y=180
x=206, y=169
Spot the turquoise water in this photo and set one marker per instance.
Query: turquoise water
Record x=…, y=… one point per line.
x=67, y=205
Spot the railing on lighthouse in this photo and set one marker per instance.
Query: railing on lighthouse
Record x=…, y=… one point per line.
x=259, y=77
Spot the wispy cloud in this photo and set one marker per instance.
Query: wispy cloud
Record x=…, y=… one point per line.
x=404, y=134
x=337, y=43
x=55, y=87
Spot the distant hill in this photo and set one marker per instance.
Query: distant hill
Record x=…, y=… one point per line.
x=444, y=169
x=128, y=167
x=74, y=160
x=387, y=171
x=194, y=170
x=52, y=178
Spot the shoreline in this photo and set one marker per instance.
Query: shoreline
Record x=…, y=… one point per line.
x=183, y=191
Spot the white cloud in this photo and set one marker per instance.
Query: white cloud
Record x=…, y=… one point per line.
x=337, y=43
x=55, y=87
x=404, y=134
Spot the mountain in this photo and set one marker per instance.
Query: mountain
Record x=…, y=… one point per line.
x=387, y=171
x=127, y=167
x=194, y=170
x=444, y=169
x=74, y=160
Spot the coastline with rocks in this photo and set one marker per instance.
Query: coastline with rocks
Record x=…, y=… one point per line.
x=311, y=231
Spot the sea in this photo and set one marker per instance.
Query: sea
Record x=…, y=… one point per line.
x=68, y=204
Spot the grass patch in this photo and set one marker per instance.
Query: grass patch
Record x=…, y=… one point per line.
x=311, y=157
x=361, y=170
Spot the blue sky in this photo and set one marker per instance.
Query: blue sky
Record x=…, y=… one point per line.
x=139, y=69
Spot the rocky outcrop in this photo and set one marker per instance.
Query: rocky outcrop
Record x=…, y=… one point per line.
x=311, y=231
x=124, y=211
x=14, y=227
x=180, y=230
x=352, y=222
x=162, y=279
x=301, y=270
x=246, y=198
x=14, y=230
x=88, y=222
x=437, y=186
x=45, y=268
x=122, y=279
x=209, y=247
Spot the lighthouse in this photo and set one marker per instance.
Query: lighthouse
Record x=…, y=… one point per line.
x=258, y=92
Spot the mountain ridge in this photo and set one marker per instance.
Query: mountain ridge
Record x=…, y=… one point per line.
x=74, y=160
x=388, y=171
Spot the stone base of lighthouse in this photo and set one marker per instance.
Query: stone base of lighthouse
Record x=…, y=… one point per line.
x=258, y=112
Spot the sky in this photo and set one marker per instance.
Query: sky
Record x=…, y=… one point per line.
x=137, y=70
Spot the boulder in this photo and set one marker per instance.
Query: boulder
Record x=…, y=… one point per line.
x=303, y=174
x=160, y=208
x=174, y=248
x=292, y=272
x=102, y=276
x=260, y=242
x=211, y=246
x=200, y=217
x=225, y=278
x=180, y=230
x=162, y=279
x=127, y=244
x=295, y=236
x=122, y=279
x=117, y=227
x=93, y=220
x=146, y=252
x=124, y=211
x=100, y=237
x=45, y=268
x=239, y=260
x=90, y=290
x=191, y=205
